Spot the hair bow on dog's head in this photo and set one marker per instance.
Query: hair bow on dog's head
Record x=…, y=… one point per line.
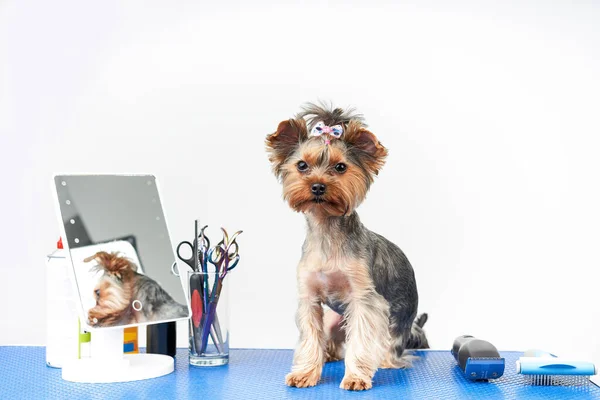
x=320, y=128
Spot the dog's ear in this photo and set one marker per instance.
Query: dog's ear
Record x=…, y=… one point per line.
x=112, y=263
x=366, y=146
x=284, y=141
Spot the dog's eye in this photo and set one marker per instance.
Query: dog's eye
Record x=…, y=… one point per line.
x=97, y=291
x=302, y=166
x=340, y=167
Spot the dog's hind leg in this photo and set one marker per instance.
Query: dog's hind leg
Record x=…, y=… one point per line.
x=403, y=340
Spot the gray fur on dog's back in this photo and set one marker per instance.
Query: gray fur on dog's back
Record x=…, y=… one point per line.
x=394, y=279
x=157, y=304
x=392, y=275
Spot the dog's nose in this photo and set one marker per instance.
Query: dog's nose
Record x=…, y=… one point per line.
x=318, y=189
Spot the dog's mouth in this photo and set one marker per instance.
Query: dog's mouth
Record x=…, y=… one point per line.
x=321, y=204
x=317, y=201
x=330, y=205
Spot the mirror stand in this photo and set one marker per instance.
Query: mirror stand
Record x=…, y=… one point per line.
x=120, y=257
x=108, y=363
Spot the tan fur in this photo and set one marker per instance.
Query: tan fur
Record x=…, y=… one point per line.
x=360, y=137
x=113, y=264
x=345, y=191
x=289, y=133
x=112, y=303
x=325, y=271
x=355, y=383
x=309, y=355
x=367, y=328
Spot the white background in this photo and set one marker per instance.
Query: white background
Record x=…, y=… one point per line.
x=490, y=112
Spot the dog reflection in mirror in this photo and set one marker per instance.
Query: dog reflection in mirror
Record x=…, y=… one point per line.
x=124, y=296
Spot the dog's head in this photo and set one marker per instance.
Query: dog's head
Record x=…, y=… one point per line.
x=114, y=289
x=326, y=160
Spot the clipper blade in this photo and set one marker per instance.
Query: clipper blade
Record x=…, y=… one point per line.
x=478, y=359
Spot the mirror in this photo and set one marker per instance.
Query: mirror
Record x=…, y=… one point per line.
x=122, y=257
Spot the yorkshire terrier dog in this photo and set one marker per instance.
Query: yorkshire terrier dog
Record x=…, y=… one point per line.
x=124, y=296
x=327, y=160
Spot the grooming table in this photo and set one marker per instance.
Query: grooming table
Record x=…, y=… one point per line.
x=259, y=374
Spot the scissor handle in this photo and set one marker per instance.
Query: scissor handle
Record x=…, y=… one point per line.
x=188, y=261
x=235, y=262
x=222, y=249
x=227, y=241
x=203, y=239
x=216, y=258
x=222, y=263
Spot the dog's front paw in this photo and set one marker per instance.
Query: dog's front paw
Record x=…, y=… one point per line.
x=302, y=379
x=353, y=382
x=92, y=320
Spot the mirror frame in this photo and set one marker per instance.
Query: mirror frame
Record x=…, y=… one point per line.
x=82, y=314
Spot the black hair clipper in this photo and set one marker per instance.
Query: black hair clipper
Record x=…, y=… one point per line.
x=478, y=359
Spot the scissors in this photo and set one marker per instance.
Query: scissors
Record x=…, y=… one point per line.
x=199, y=286
x=222, y=253
x=199, y=303
x=198, y=248
x=221, y=257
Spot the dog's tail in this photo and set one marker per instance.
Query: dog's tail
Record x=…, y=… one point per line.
x=421, y=320
x=418, y=339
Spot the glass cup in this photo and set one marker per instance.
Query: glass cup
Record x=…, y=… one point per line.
x=209, y=325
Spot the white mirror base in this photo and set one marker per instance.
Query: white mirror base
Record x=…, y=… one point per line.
x=108, y=363
x=132, y=367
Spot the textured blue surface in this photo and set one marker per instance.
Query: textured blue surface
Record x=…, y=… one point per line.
x=259, y=374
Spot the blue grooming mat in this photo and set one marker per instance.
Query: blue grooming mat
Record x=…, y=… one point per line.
x=259, y=374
